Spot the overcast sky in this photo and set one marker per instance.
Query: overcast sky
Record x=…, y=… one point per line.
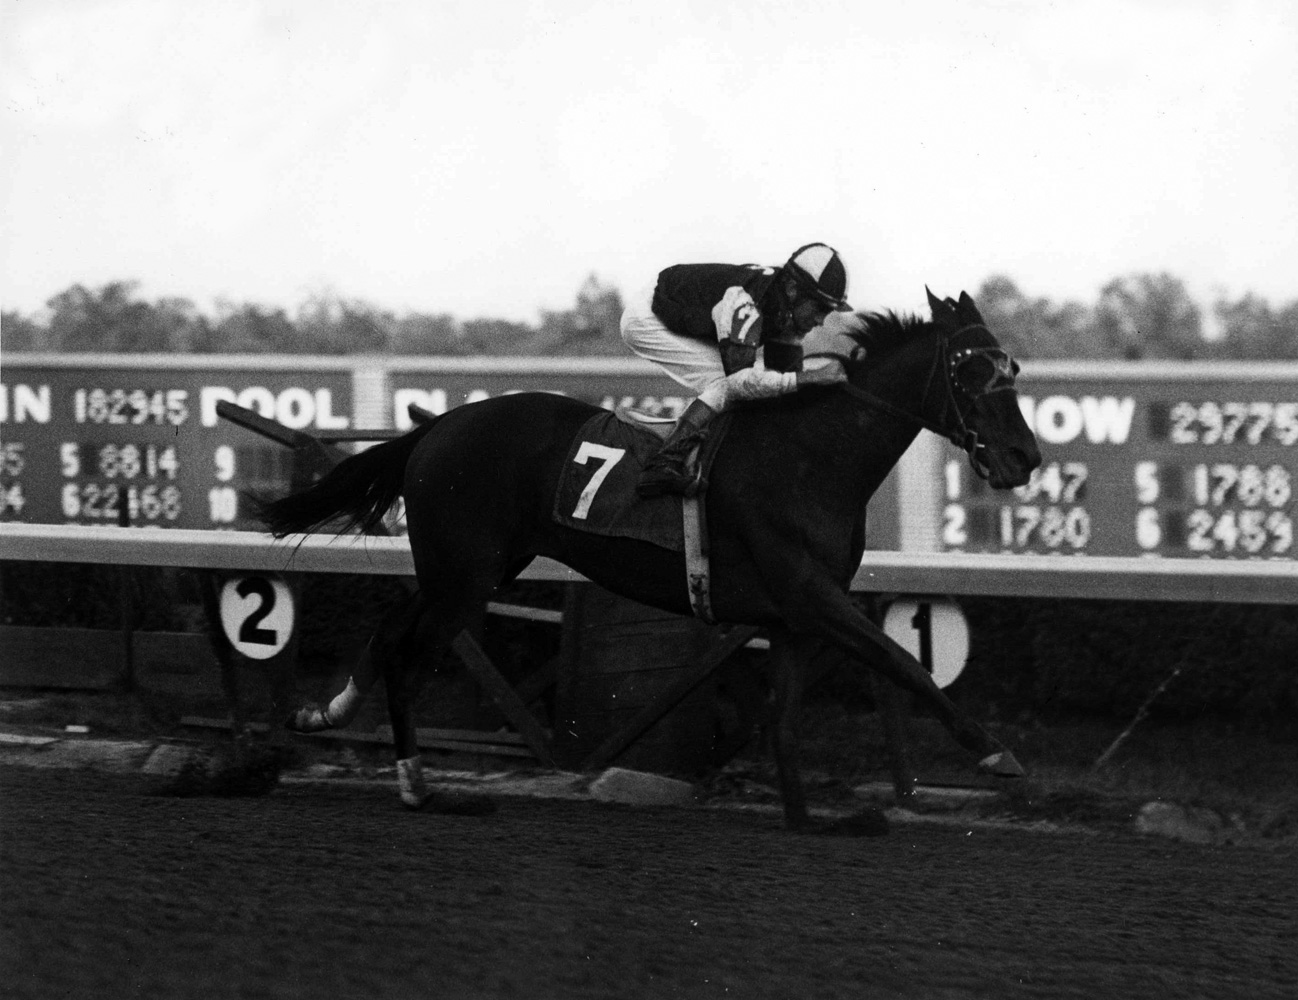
x=481, y=158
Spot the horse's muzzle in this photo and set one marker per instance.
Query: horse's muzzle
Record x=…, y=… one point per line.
x=1006, y=470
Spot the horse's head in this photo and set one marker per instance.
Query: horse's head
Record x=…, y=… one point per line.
x=949, y=375
x=980, y=411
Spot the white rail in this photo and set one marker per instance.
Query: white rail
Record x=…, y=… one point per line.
x=1115, y=578
x=193, y=548
x=1082, y=577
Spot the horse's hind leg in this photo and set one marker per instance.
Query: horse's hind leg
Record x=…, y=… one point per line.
x=399, y=651
x=395, y=631
x=445, y=616
x=404, y=677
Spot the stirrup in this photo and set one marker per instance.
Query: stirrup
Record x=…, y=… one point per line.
x=670, y=471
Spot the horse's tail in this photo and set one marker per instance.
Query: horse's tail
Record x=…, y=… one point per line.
x=358, y=491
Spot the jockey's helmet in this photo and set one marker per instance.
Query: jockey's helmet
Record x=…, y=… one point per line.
x=819, y=273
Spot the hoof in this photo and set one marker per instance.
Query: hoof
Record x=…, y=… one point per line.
x=1001, y=765
x=308, y=719
x=457, y=804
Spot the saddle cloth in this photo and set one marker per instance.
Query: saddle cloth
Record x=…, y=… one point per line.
x=597, y=493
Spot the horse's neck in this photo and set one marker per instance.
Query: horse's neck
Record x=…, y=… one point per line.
x=852, y=444
x=902, y=381
x=884, y=439
x=847, y=444
x=902, y=376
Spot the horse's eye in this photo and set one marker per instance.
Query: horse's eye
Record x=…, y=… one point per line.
x=975, y=374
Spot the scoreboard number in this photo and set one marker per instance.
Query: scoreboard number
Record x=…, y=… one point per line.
x=134, y=442
x=257, y=614
x=1186, y=461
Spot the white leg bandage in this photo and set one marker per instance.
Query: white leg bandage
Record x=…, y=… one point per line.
x=410, y=782
x=345, y=705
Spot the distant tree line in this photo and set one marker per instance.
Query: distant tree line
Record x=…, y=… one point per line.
x=114, y=319
x=1142, y=316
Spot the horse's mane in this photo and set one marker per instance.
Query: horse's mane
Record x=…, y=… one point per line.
x=886, y=331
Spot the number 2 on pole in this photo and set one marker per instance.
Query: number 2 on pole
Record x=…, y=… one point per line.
x=251, y=630
x=609, y=457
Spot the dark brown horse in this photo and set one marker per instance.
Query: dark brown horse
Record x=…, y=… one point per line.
x=786, y=509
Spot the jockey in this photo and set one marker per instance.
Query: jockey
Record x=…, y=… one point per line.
x=703, y=324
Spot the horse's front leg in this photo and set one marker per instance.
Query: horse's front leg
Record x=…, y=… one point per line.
x=821, y=607
x=788, y=660
x=790, y=657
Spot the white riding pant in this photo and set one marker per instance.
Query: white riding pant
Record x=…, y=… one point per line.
x=696, y=364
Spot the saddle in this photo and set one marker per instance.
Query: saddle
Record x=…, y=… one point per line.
x=661, y=427
x=597, y=491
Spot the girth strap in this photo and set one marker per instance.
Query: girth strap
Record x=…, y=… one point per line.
x=698, y=572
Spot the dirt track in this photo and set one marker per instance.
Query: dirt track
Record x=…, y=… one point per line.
x=336, y=892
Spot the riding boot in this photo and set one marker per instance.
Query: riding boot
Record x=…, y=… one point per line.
x=668, y=471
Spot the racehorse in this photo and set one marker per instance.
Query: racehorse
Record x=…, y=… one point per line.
x=785, y=516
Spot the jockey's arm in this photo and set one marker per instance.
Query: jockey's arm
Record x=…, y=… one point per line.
x=739, y=329
x=837, y=338
x=739, y=332
x=759, y=382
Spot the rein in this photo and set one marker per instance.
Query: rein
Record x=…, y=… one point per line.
x=869, y=399
x=961, y=435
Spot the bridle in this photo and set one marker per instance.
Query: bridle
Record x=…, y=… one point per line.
x=954, y=388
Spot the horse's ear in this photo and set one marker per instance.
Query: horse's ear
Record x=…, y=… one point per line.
x=970, y=308
x=939, y=307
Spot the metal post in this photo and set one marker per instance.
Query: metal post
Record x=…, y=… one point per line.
x=922, y=622
x=125, y=598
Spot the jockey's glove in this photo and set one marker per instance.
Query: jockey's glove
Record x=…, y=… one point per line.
x=821, y=371
x=844, y=323
x=839, y=334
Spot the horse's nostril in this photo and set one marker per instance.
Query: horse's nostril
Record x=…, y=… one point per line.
x=1028, y=460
